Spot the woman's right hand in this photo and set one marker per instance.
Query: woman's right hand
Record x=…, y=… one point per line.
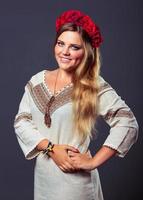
x=61, y=158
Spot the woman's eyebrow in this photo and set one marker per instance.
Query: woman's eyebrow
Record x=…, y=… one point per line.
x=79, y=45
x=60, y=41
x=71, y=44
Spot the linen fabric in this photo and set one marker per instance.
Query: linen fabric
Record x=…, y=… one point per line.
x=49, y=181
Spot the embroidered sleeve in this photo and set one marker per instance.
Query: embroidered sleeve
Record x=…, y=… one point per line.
x=26, y=131
x=123, y=125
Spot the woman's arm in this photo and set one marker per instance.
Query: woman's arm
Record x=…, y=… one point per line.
x=26, y=130
x=121, y=120
x=32, y=142
x=59, y=155
x=123, y=129
x=104, y=154
x=86, y=162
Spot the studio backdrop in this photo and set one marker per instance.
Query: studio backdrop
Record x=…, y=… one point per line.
x=27, y=33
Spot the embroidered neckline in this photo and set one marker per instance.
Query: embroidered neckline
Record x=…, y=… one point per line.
x=41, y=96
x=48, y=89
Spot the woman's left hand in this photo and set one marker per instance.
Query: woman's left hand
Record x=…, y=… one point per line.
x=81, y=161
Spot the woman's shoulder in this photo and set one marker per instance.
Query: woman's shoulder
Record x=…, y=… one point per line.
x=101, y=81
x=37, y=78
x=103, y=85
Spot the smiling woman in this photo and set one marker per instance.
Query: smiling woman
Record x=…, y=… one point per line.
x=59, y=110
x=69, y=50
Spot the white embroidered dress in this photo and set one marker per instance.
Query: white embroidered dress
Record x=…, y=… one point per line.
x=49, y=181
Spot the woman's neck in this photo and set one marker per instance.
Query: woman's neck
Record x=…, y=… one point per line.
x=65, y=75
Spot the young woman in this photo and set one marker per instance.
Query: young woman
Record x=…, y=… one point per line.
x=58, y=112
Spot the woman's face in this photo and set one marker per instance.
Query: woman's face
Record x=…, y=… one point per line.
x=69, y=50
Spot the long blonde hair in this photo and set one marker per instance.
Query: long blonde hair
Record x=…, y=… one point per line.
x=85, y=85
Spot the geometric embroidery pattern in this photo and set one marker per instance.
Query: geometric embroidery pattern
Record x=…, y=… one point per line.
x=118, y=113
x=41, y=97
x=104, y=86
x=24, y=115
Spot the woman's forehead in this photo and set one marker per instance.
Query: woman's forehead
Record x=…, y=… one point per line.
x=72, y=37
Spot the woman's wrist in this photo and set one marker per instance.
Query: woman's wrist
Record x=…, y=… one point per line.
x=49, y=148
x=92, y=164
x=104, y=154
x=42, y=145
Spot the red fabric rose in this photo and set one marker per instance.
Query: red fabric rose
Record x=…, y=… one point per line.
x=80, y=19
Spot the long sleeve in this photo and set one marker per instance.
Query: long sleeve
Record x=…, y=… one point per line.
x=26, y=131
x=123, y=125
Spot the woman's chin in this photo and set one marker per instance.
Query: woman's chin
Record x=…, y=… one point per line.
x=67, y=68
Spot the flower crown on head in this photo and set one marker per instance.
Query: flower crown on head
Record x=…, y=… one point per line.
x=84, y=21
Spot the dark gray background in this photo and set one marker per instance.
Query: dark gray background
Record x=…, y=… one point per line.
x=27, y=30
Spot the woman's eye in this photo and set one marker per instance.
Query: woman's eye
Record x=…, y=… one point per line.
x=60, y=44
x=75, y=47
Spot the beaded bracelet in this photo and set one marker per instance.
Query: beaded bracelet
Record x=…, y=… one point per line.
x=49, y=148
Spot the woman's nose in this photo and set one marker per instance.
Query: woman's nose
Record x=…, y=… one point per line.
x=66, y=51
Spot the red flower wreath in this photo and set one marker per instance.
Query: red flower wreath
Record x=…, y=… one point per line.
x=80, y=19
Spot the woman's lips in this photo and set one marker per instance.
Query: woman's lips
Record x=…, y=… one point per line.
x=65, y=60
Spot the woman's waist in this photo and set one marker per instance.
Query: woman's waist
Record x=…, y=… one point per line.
x=46, y=167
